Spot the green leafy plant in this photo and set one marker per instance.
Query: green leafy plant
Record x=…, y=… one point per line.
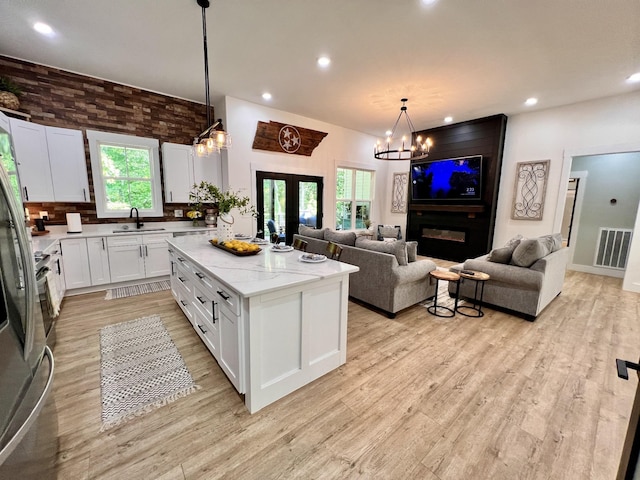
x=7, y=85
x=206, y=195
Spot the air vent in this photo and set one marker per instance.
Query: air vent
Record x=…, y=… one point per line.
x=613, y=248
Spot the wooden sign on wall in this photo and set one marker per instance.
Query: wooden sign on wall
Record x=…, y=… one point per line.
x=280, y=137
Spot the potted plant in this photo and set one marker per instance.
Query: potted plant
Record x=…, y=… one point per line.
x=9, y=93
x=207, y=196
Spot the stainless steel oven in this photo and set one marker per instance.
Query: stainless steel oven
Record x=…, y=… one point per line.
x=43, y=267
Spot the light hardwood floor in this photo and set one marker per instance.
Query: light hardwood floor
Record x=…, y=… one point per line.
x=420, y=397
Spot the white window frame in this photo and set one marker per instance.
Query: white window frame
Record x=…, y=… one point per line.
x=353, y=198
x=97, y=138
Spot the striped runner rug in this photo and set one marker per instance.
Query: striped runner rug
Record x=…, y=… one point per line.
x=122, y=292
x=141, y=369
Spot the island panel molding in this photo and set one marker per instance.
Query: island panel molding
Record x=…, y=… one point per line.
x=281, y=137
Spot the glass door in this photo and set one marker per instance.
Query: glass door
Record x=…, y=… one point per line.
x=285, y=201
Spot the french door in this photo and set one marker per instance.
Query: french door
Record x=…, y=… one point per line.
x=285, y=201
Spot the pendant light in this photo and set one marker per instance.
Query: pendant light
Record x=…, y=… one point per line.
x=214, y=138
x=401, y=144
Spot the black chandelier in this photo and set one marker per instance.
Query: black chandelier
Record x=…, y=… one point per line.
x=214, y=138
x=406, y=147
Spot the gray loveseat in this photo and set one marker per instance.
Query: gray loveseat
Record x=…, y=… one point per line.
x=390, y=276
x=526, y=274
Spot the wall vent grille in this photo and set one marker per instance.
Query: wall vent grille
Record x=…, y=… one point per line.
x=613, y=248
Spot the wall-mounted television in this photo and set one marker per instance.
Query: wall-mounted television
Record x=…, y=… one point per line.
x=447, y=180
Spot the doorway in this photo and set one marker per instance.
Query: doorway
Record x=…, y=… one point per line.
x=569, y=215
x=285, y=201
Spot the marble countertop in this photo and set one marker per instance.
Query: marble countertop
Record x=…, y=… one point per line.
x=257, y=274
x=59, y=232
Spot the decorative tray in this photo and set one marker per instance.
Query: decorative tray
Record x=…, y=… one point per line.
x=235, y=252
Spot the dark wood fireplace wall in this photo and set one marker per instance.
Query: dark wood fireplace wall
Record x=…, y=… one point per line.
x=458, y=230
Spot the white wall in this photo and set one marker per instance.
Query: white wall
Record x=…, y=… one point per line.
x=341, y=147
x=607, y=125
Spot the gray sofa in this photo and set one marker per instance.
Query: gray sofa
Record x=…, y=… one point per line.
x=390, y=277
x=526, y=275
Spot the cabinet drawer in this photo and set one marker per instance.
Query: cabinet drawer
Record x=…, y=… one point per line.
x=203, y=280
x=183, y=263
x=209, y=334
x=227, y=298
x=185, y=302
x=156, y=238
x=204, y=302
x=184, y=280
x=124, y=240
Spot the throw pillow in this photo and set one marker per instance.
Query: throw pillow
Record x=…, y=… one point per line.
x=399, y=248
x=412, y=251
x=554, y=241
x=530, y=251
x=311, y=232
x=389, y=231
x=501, y=255
x=343, y=238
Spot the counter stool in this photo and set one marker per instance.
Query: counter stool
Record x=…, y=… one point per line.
x=476, y=303
x=449, y=277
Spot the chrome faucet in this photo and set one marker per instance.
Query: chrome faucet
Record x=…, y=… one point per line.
x=138, y=222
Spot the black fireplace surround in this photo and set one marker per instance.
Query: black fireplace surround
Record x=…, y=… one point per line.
x=459, y=229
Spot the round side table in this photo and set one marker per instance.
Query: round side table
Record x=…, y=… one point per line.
x=449, y=277
x=475, y=309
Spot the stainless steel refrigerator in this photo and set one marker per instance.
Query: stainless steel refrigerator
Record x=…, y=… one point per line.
x=28, y=421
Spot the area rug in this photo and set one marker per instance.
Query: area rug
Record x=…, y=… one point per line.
x=141, y=369
x=122, y=292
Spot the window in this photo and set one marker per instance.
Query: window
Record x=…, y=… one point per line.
x=353, y=198
x=126, y=174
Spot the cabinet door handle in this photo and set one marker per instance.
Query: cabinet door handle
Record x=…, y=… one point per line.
x=181, y=260
x=103, y=243
x=183, y=303
x=84, y=194
x=622, y=366
x=202, y=329
x=26, y=194
x=146, y=251
x=199, y=275
x=171, y=196
x=181, y=279
x=200, y=300
x=223, y=295
x=59, y=272
x=173, y=272
x=213, y=313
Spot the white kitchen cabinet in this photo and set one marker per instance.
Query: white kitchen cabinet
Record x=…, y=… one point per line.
x=51, y=162
x=132, y=257
x=76, y=263
x=182, y=169
x=98, y=260
x=68, y=164
x=32, y=159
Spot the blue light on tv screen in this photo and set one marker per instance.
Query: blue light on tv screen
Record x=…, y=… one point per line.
x=451, y=179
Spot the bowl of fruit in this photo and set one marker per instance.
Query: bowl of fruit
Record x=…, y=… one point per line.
x=237, y=247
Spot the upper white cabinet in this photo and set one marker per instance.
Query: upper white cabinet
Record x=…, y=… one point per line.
x=68, y=164
x=51, y=162
x=32, y=159
x=182, y=169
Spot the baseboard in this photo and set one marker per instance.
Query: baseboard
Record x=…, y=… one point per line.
x=607, y=272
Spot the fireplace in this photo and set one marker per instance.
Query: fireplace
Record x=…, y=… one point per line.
x=444, y=234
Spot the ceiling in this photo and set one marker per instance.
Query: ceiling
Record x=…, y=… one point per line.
x=463, y=58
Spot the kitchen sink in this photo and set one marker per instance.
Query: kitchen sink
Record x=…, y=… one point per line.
x=139, y=230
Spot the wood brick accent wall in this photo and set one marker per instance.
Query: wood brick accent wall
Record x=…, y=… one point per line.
x=58, y=98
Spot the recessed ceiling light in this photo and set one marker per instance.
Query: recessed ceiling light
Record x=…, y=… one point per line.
x=635, y=78
x=266, y=96
x=428, y=3
x=324, y=62
x=531, y=101
x=388, y=132
x=448, y=119
x=43, y=28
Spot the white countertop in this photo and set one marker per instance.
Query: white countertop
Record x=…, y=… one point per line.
x=58, y=232
x=257, y=274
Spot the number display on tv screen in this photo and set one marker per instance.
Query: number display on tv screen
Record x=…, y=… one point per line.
x=450, y=179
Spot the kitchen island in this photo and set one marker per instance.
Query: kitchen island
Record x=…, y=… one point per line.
x=272, y=322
